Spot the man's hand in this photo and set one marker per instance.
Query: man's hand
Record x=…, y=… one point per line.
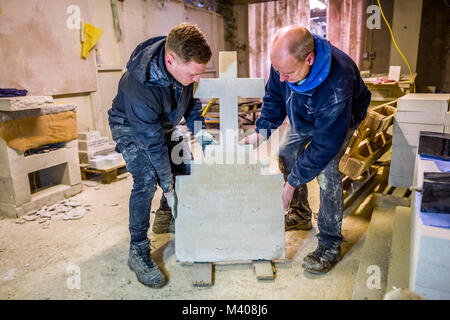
x=287, y=195
x=254, y=139
x=172, y=201
x=205, y=138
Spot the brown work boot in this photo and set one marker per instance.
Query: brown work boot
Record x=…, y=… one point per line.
x=163, y=222
x=297, y=220
x=321, y=260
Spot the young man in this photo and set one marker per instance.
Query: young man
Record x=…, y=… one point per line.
x=154, y=94
x=321, y=91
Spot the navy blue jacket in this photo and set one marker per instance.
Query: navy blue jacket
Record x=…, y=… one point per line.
x=150, y=102
x=331, y=100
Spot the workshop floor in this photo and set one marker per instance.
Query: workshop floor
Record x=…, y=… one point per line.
x=38, y=262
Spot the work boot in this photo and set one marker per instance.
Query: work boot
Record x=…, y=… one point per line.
x=164, y=222
x=321, y=260
x=297, y=220
x=140, y=261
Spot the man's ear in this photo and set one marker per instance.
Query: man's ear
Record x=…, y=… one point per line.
x=310, y=59
x=170, y=59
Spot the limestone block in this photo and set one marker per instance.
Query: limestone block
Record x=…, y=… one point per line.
x=88, y=135
x=424, y=102
x=415, y=128
x=92, y=144
x=420, y=117
x=98, y=162
x=25, y=102
x=229, y=212
x=85, y=156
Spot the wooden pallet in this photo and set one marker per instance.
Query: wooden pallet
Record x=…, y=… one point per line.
x=392, y=197
x=369, y=142
x=108, y=175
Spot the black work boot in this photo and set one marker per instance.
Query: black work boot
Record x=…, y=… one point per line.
x=321, y=260
x=163, y=222
x=297, y=220
x=140, y=261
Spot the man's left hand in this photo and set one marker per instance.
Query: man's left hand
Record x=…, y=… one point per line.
x=205, y=138
x=287, y=195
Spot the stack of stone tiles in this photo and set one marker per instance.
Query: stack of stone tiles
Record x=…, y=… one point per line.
x=415, y=113
x=97, y=151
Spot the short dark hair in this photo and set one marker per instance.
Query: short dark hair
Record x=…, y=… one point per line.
x=188, y=43
x=303, y=46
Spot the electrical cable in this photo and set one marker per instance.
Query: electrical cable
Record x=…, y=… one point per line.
x=398, y=49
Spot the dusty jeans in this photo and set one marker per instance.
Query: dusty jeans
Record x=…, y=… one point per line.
x=331, y=208
x=145, y=179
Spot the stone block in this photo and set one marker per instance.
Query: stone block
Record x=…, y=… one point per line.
x=436, y=192
x=229, y=212
x=420, y=117
x=85, y=156
x=15, y=183
x=434, y=144
x=424, y=102
x=25, y=102
x=88, y=135
x=415, y=128
x=92, y=144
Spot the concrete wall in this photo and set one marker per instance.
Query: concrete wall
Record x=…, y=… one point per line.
x=139, y=20
x=379, y=41
x=433, y=63
x=406, y=29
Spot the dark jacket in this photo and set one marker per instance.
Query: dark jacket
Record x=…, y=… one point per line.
x=150, y=102
x=331, y=100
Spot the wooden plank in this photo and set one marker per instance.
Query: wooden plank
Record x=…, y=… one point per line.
x=202, y=274
x=399, y=192
x=263, y=270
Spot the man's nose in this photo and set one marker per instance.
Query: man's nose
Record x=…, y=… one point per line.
x=196, y=78
x=283, y=78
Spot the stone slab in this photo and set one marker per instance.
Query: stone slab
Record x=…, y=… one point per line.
x=46, y=197
x=25, y=102
x=85, y=156
x=420, y=117
x=429, y=255
x=429, y=102
x=415, y=128
x=435, y=145
x=375, y=256
x=92, y=144
x=398, y=274
x=88, y=135
x=229, y=212
x=202, y=274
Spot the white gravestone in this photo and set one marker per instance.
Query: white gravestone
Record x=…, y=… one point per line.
x=229, y=208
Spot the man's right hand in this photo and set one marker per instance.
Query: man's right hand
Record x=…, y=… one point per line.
x=254, y=139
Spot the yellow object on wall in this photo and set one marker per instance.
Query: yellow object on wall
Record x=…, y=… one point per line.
x=90, y=36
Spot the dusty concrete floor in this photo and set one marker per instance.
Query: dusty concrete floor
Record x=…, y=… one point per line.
x=36, y=262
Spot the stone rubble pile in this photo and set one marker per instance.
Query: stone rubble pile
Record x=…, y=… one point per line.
x=67, y=209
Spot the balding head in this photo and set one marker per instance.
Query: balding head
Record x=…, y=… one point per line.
x=292, y=53
x=294, y=40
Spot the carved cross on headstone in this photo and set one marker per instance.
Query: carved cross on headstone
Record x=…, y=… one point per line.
x=228, y=87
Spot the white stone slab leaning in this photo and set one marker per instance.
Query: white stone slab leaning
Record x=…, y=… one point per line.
x=229, y=208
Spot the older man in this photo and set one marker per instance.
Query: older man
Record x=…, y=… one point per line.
x=321, y=91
